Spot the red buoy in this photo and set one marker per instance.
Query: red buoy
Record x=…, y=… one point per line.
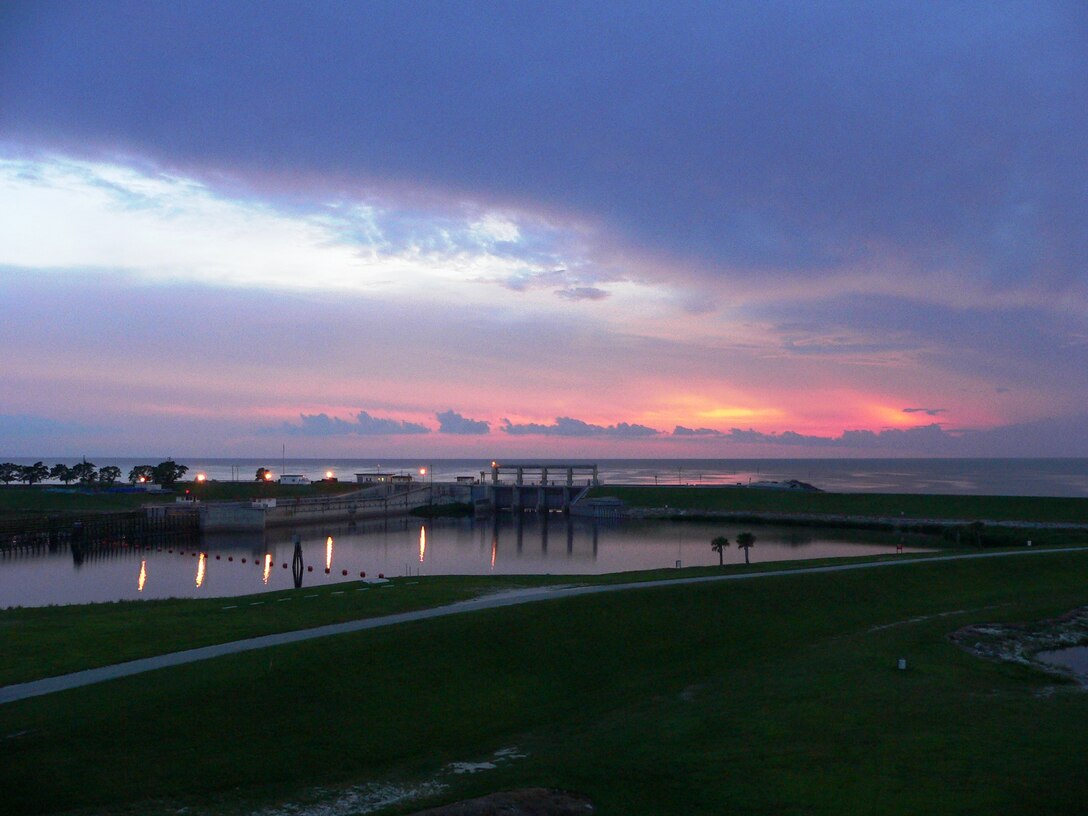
x=343, y=572
x=362, y=574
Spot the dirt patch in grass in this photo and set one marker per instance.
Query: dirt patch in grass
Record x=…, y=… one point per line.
x=1022, y=642
x=524, y=802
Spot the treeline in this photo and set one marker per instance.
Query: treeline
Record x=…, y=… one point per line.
x=87, y=473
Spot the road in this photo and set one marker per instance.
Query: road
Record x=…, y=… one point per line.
x=64, y=682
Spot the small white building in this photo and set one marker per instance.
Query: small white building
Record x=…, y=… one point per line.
x=294, y=479
x=373, y=478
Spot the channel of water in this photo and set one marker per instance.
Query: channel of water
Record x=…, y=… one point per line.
x=231, y=565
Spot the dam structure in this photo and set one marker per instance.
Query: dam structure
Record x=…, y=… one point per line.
x=532, y=486
x=514, y=487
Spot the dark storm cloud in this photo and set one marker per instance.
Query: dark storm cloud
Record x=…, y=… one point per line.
x=451, y=422
x=763, y=134
x=566, y=426
x=363, y=425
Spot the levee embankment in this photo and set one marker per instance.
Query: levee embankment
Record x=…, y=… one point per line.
x=372, y=503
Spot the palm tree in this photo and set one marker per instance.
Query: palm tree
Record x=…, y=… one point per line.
x=746, y=540
x=33, y=473
x=718, y=545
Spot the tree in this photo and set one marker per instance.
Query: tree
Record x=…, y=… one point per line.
x=62, y=473
x=109, y=474
x=85, y=471
x=141, y=473
x=168, y=472
x=33, y=473
x=263, y=475
x=9, y=472
x=746, y=540
x=975, y=528
x=718, y=545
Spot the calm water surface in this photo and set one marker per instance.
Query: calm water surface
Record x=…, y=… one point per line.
x=230, y=565
x=1075, y=658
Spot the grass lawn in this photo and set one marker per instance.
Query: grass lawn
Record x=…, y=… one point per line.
x=776, y=695
x=46, y=641
x=888, y=505
x=21, y=500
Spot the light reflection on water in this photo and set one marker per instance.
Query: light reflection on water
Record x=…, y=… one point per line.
x=538, y=544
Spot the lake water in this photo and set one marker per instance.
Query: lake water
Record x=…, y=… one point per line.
x=230, y=565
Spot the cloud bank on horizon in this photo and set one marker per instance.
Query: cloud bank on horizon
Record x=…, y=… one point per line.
x=508, y=228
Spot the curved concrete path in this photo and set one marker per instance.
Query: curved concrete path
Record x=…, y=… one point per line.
x=34, y=688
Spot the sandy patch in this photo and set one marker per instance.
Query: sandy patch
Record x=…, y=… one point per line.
x=374, y=796
x=358, y=799
x=1021, y=643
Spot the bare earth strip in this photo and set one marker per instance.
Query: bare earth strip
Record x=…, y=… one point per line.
x=22, y=691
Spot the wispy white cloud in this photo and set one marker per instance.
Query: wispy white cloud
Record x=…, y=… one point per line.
x=162, y=227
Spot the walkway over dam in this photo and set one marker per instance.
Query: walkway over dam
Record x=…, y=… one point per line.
x=534, y=486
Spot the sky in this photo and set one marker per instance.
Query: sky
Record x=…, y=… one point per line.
x=588, y=229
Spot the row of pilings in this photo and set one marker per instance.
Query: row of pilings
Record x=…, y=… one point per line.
x=94, y=535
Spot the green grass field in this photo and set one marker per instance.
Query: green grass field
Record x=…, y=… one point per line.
x=17, y=500
x=887, y=505
x=777, y=695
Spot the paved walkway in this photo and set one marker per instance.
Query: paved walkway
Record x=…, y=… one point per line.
x=63, y=682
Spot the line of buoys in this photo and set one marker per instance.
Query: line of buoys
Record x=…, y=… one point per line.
x=259, y=563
